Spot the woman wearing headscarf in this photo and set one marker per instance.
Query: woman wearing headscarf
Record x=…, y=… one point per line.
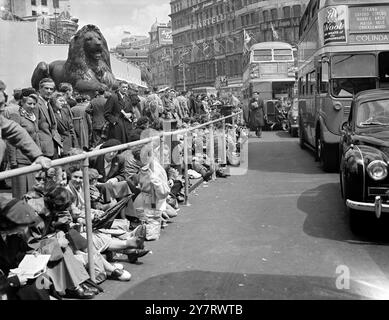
x=26, y=119
x=65, y=127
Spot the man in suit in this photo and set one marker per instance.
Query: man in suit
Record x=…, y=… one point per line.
x=48, y=135
x=111, y=167
x=96, y=111
x=118, y=113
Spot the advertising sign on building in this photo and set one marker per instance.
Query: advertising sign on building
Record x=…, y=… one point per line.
x=369, y=24
x=165, y=36
x=333, y=22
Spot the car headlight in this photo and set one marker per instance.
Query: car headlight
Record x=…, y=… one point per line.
x=377, y=170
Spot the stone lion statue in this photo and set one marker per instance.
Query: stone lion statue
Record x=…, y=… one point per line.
x=88, y=66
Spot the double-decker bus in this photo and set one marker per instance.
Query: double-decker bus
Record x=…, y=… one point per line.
x=343, y=49
x=269, y=69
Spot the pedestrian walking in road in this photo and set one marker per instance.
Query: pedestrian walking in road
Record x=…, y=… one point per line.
x=257, y=114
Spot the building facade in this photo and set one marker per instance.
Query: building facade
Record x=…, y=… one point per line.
x=160, y=55
x=208, y=36
x=55, y=23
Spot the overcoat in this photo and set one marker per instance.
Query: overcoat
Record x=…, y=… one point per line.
x=256, y=114
x=48, y=135
x=113, y=114
x=66, y=129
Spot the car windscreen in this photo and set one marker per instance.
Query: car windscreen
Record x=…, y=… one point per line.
x=346, y=87
x=373, y=113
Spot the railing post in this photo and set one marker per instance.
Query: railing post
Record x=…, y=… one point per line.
x=224, y=144
x=233, y=121
x=186, y=176
x=88, y=219
x=212, y=150
x=161, y=149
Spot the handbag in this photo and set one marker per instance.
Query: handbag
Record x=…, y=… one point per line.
x=76, y=240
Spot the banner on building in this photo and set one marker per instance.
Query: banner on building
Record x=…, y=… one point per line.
x=165, y=35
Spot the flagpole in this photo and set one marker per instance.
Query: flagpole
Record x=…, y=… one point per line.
x=183, y=75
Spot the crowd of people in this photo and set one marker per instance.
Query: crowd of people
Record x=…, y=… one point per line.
x=133, y=193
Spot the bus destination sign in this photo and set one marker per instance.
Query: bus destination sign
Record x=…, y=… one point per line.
x=369, y=24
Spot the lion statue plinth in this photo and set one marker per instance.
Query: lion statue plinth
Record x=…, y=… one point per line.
x=88, y=66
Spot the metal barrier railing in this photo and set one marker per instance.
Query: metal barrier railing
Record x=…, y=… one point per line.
x=84, y=157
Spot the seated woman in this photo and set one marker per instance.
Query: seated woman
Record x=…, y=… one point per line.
x=27, y=119
x=152, y=176
x=133, y=246
x=14, y=219
x=59, y=202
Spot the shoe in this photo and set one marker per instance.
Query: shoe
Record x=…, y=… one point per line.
x=221, y=174
x=87, y=287
x=134, y=254
x=207, y=176
x=79, y=293
x=118, y=266
x=121, y=275
x=109, y=256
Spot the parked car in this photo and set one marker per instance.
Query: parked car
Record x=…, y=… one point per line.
x=293, y=123
x=364, y=152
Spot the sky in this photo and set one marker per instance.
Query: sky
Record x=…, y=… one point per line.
x=115, y=16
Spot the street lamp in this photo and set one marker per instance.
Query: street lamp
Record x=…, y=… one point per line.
x=182, y=65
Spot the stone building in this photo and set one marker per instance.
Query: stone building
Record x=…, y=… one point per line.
x=208, y=36
x=160, y=55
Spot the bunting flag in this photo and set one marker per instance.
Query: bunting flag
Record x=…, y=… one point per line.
x=195, y=51
x=206, y=49
x=218, y=47
x=275, y=33
x=246, y=41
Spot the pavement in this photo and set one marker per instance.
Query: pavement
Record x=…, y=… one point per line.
x=279, y=231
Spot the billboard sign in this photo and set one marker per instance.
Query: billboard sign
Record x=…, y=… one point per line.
x=165, y=35
x=333, y=22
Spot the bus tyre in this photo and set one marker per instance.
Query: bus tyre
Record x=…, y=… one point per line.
x=324, y=155
x=301, y=136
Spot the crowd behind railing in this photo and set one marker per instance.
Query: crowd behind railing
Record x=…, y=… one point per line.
x=122, y=163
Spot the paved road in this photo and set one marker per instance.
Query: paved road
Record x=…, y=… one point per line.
x=278, y=232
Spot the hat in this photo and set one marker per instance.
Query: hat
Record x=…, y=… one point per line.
x=26, y=92
x=110, y=143
x=15, y=212
x=94, y=174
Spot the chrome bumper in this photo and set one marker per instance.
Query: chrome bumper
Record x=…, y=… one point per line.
x=377, y=207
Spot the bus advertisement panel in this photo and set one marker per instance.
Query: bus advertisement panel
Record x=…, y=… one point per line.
x=343, y=49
